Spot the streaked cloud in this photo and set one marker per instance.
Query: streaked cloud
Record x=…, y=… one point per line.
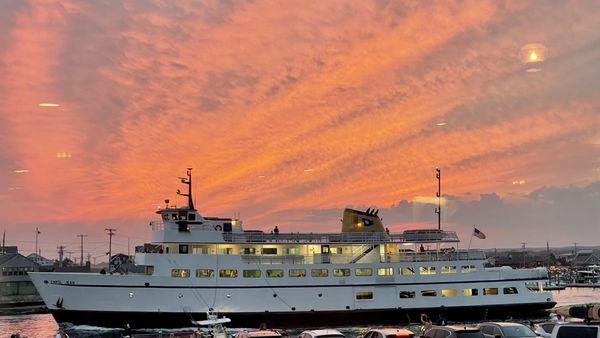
x=288, y=105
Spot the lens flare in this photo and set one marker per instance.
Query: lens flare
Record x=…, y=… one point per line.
x=532, y=56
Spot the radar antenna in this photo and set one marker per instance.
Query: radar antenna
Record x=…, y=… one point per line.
x=187, y=181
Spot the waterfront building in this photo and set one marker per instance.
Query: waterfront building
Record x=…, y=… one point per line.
x=17, y=292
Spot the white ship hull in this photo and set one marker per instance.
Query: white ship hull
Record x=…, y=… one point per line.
x=140, y=300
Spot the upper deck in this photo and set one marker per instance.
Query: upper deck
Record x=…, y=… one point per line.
x=205, y=233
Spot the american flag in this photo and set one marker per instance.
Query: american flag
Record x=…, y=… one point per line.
x=478, y=233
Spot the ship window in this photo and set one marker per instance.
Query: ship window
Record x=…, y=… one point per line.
x=319, y=273
x=249, y=251
x=363, y=271
x=407, y=271
x=428, y=293
x=490, y=291
x=449, y=293
x=407, y=294
x=448, y=269
x=297, y=273
x=191, y=217
x=149, y=270
x=251, y=273
x=341, y=272
x=174, y=217
x=183, y=248
x=205, y=273
x=228, y=273
x=511, y=291
x=470, y=292
x=427, y=270
x=269, y=251
x=362, y=295
x=385, y=272
x=467, y=268
x=275, y=273
x=180, y=273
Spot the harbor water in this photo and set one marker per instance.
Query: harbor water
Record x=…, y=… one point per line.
x=43, y=325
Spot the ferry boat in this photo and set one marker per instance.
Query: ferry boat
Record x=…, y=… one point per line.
x=361, y=275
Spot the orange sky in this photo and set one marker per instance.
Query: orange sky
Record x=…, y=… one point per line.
x=252, y=94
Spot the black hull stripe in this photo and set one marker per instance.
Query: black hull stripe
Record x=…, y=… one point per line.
x=295, y=286
x=303, y=319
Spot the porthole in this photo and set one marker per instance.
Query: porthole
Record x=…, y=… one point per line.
x=228, y=295
x=131, y=295
x=180, y=295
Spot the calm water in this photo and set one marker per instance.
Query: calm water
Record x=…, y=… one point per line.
x=44, y=325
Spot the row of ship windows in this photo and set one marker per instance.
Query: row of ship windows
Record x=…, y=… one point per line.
x=16, y=271
x=365, y=295
x=279, y=273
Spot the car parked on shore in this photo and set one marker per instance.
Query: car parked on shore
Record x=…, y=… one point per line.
x=453, y=332
x=505, y=330
x=389, y=333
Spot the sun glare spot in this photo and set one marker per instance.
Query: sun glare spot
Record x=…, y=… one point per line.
x=20, y=171
x=533, y=56
x=309, y=170
x=440, y=124
x=49, y=105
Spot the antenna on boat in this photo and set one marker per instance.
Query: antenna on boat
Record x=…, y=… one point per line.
x=438, y=210
x=188, y=181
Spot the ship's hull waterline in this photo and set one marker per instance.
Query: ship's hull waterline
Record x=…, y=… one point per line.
x=303, y=319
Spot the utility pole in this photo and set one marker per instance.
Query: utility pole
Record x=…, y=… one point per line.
x=61, y=254
x=89, y=258
x=523, y=246
x=82, y=236
x=111, y=232
x=438, y=211
x=4, y=242
x=128, y=251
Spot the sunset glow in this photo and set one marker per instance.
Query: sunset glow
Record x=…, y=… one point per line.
x=288, y=110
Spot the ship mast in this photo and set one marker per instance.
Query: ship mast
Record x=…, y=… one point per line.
x=187, y=181
x=438, y=210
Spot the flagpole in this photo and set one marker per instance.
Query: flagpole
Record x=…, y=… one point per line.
x=37, y=232
x=471, y=240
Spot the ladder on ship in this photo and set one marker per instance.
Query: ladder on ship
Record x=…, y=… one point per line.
x=364, y=253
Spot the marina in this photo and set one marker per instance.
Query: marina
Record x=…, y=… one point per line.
x=299, y=169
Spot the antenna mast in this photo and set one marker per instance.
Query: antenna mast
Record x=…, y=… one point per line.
x=188, y=181
x=438, y=210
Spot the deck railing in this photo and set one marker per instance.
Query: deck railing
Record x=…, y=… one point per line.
x=345, y=237
x=345, y=259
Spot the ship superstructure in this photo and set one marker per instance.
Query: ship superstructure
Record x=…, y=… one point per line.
x=363, y=274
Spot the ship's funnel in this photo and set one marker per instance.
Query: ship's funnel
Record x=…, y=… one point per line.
x=361, y=221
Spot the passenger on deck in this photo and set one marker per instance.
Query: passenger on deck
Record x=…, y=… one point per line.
x=422, y=248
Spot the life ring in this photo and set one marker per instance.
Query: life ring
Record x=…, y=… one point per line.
x=218, y=227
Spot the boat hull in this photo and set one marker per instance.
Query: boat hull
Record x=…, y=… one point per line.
x=303, y=319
